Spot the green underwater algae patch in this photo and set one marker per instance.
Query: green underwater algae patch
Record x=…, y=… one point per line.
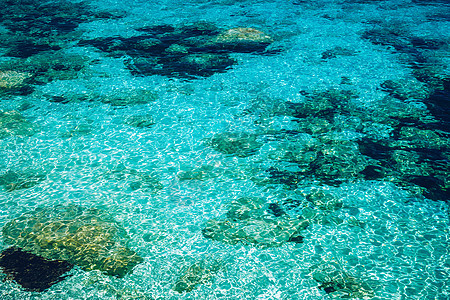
x=86, y=237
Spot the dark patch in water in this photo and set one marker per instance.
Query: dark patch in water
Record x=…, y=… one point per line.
x=374, y=149
x=32, y=272
x=373, y=172
x=36, y=19
x=439, y=105
x=276, y=209
x=428, y=44
x=431, y=2
x=296, y=238
x=435, y=187
x=26, y=49
x=278, y=176
x=188, y=51
x=157, y=29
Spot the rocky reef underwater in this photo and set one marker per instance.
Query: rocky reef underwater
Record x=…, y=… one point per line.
x=317, y=194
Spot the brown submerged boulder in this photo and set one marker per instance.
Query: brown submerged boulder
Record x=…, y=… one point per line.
x=86, y=237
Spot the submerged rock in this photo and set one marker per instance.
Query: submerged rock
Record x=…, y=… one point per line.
x=203, y=172
x=266, y=106
x=240, y=144
x=136, y=180
x=34, y=273
x=406, y=89
x=199, y=273
x=417, y=162
x=144, y=121
x=204, y=64
x=30, y=47
x=243, y=39
x=78, y=130
x=12, y=79
x=129, y=97
x=86, y=237
x=412, y=137
x=15, y=83
x=337, y=51
x=340, y=285
x=186, y=51
x=313, y=125
x=323, y=200
x=13, y=123
x=246, y=222
x=337, y=161
x=35, y=26
x=300, y=153
x=115, y=97
x=50, y=66
x=12, y=181
x=257, y=231
x=392, y=111
x=324, y=104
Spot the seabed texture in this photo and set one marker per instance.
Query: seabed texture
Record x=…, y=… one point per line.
x=224, y=149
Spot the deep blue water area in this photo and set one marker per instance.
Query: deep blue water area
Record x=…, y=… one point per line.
x=224, y=149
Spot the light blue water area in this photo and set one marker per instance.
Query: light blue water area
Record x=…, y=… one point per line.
x=312, y=167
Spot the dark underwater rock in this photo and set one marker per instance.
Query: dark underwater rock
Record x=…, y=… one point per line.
x=275, y=175
x=430, y=2
x=32, y=272
x=374, y=149
x=416, y=158
x=413, y=138
x=144, y=121
x=47, y=19
x=394, y=37
x=323, y=104
x=48, y=66
x=86, y=237
x=25, y=49
x=201, y=64
x=438, y=103
x=406, y=89
x=435, y=187
x=338, y=161
x=373, y=172
x=12, y=181
x=187, y=51
x=393, y=111
x=314, y=125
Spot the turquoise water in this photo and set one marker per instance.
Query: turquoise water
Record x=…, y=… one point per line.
x=308, y=163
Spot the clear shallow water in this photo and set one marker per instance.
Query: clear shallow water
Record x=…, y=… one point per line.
x=388, y=229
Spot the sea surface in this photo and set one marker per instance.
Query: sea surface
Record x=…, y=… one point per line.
x=225, y=149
